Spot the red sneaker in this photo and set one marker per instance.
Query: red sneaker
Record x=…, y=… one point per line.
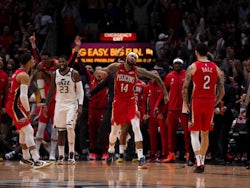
x=169, y=159
x=104, y=156
x=92, y=156
x=199, y=169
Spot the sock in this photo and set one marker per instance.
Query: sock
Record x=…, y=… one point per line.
x=198, y=160
x=71, y=147
x=121, y=149
x=26, y=154
x=35, y=154
x=203, y=159
x=53, y=148
x=61, y=150
x=139, y=153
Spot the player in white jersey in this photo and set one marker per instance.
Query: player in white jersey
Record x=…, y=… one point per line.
x=69, y=100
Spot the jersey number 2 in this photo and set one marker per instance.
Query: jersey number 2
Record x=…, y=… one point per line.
x=206, y=83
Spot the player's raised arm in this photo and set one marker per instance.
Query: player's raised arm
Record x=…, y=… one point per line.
x=112, y=67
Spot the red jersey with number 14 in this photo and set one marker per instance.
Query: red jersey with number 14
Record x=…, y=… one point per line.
x=204, y=80
x=125, y=82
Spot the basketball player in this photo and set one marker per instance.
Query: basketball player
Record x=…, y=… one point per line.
x=124, y=109
x=45, y=68
x=207, y=78
x=18, y=109
x=69, y=100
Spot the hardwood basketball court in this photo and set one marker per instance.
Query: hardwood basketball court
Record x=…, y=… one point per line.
x=98, y=174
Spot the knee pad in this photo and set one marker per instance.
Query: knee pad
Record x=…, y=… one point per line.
x=195, y=141
x=136, y=129
x=61, y=137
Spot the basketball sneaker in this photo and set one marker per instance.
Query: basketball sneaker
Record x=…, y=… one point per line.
x=104, y=156
x=142, y=163
x=135, y=160
x=26, y=162
x=170, y=158
x=119, y=160
x=52, y=157
x=60, y=160
x=199, y=169
x=41, y=164
x=109, y=158
x=71, y=159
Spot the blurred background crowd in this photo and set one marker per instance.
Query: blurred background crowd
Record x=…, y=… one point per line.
x=173, y=27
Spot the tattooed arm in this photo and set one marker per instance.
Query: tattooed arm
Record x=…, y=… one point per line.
x=185, y=95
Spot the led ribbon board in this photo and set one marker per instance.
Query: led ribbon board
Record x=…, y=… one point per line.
x=106, y=52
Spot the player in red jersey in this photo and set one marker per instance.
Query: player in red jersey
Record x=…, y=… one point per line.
x=151, y=92
x=207, y=78
x=174, y=82
x=18, y=109
x=124, y=108
x=45, y=69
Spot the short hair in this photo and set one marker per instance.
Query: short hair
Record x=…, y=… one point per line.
x=202, y=49
x=24, y=58
x=62, y=56
x=46, y=53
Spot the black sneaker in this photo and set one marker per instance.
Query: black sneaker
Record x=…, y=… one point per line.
x=109, y=158
x=71, y=159
x=199, y=169
x=61, y=160
x=28, y=162
x=142, y=163
x=85, y=154
x=42, y=164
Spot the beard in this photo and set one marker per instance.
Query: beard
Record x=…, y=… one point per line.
x=130, y=63
x=63, y=68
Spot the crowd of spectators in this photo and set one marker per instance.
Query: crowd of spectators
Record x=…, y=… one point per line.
x=172, y=27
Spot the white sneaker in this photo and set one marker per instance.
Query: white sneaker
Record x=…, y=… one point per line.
x=71, y=161
x=52, y=158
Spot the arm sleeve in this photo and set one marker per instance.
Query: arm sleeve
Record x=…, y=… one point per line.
x=24, y=97
x=80, y=92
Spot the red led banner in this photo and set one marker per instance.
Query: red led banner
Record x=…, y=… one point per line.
x=117, y=37
x=106, y=52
